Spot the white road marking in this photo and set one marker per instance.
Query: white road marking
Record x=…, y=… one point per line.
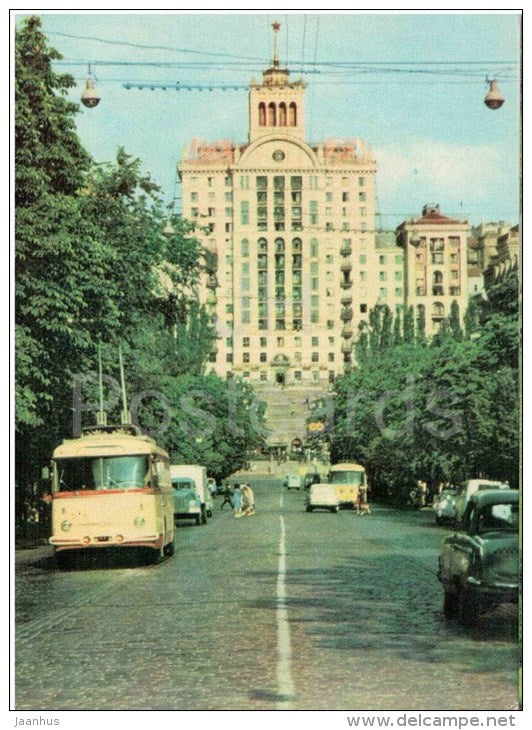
x=285, y=684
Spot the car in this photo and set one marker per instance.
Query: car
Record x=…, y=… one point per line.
x=311, y=477
x=479, y=567
x=444, y=506
x=470, y=487
x=198, y=474
x=293, y=481
x=187, y=503
x=322, y=496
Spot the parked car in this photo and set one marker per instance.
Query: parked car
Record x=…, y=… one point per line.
x=293, y=481
x=187, y=504
x=470, y=487
x=322, y=496
x=444, y=506
x=311, y=477
x=479, y=566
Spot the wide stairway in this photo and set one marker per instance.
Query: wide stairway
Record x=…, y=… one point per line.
x=287, y=410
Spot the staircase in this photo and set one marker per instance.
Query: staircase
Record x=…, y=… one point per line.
x=287, y=410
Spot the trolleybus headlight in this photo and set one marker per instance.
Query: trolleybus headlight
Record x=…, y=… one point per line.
x=86, y=540
x=139, y=521
x=66, y=525
x=120, y=538
x=192, y=503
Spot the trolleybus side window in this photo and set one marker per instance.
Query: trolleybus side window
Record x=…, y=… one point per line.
x=115, y=472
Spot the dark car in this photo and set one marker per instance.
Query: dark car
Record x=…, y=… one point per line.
x=479, y=567
x=311, y=477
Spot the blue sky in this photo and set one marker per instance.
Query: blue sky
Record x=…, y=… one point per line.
x=432, y=136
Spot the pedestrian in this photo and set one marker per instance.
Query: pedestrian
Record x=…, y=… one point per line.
x=363, y=497
x=228, y=494
x=248, y=504
x=237, y=501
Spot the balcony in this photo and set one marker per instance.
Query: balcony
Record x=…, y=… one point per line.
x=347, y=331
x=346, y=315
x=421, y=291
x=346, y=300
x=437, y=291
x=346, y=283
x=346, y=267
x=346, y=348
x=346, y=251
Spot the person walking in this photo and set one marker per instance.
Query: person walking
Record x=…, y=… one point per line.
x=248, y=505
x=237, y=501
x=363, y=497
x=228, y=493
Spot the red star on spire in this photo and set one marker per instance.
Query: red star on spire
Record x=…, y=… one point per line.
x=276, y=26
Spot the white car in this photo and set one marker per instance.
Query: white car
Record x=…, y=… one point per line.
x=322, y=496
x=470, y=487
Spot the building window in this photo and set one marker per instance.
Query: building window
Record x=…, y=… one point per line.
x=398, y=275
x=315, y=316
x=363, y=308
x=246, y=316
x=280, y=342
x=262, y=114
x=362, y=259
x=245, y=342
x=297, y=374
x=245, y=357
x=328, y=198
x=313, y=182
x=244, y=248
x=262, y=182
x=244, y=212
x=292, y=114
x=383, y=292
x=361, y=181
x=263, y=375
x=313, y=212
x=193, y=197
x=361, y=197
x=454, y=274
x=345, y=197
x=330, y=324
x=244, y=182
x=313, y=247
x=282, y=114
x=315, y=357
x=362, y=212
x=229, y=357
x=453, y=258
x=263, y=342
x=398, y=291
x=272, y=114
x=382, y=260
x=212, y=357
x=263, y=357
x=363, y=276
x=330, y=357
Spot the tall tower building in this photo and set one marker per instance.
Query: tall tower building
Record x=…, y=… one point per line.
x=293, y=227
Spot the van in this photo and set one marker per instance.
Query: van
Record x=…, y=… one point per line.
x=322, y=496
x=347, y=478
x=199, y=475
x=470, y=487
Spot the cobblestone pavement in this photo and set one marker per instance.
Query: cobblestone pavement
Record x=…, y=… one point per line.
x=356, y=623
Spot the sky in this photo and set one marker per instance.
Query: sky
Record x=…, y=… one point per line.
x=432, y=136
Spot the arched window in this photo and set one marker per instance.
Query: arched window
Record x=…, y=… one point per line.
x=437, y=277
x=262, y=244
x=296, y=245
x=421, y=311
x=262, y=114
x=272, y=115
x=282, y=114
x=438, y=310
x=279, y=245
x=292, y=114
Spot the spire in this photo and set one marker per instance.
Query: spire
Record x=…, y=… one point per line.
x=276, y=28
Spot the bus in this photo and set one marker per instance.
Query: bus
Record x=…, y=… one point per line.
x=111, y=488
x=347, y=478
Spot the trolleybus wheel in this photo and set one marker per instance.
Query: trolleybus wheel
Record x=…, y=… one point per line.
x=169, y=548
x=203, y=515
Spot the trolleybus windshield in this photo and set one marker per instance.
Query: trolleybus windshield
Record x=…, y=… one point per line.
x=347, y=477
x=113, y=472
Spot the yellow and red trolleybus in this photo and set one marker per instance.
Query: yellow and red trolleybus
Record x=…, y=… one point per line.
x=111, y=488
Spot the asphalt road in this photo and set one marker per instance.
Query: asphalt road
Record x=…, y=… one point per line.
x=282, y=610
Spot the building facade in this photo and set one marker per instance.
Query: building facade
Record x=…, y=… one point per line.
x=292, y=225
x=299, y=264
x=435, y=265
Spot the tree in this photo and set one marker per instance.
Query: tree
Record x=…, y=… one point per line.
x=386, y=328
x=421, y=337
x=471, y=318
x=454, y=322
x=408, y=326
x=397, y=329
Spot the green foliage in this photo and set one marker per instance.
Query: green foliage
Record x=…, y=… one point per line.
x=443, y=412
